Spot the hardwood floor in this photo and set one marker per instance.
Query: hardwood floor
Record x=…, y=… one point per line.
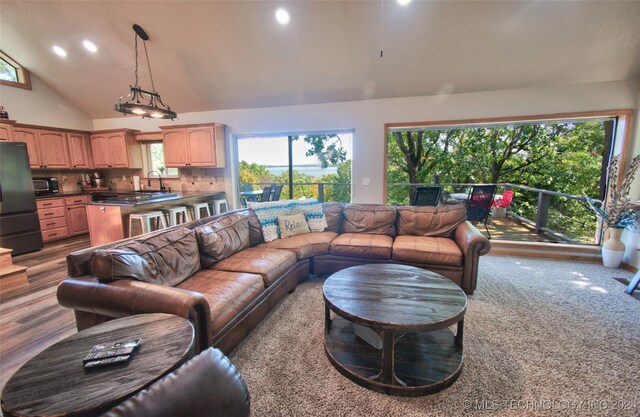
x=32, y=320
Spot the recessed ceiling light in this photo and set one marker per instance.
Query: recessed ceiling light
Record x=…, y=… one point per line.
x=403, y=2
x=59, y=51
x=90, y=46
x=282, y=16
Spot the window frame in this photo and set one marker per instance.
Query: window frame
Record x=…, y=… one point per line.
x=24, y=78
x=146, y=159
x=622, y=143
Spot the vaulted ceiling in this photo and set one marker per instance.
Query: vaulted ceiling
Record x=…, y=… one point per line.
x=212, y=55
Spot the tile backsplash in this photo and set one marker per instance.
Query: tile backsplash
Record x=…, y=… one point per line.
x=191, y=179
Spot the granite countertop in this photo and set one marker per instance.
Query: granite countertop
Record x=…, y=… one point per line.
x=135, y=199
x=64, y=194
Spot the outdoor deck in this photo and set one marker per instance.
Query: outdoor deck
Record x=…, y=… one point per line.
x=506, y=228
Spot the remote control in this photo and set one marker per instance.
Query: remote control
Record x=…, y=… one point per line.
x=117, y=345
x=116, y=360
x=103, y=354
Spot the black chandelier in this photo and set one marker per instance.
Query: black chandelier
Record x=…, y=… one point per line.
x=142, y=102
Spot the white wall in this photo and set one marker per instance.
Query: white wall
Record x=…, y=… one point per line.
x=42, y=106
x=632, y=239
x=367, y=118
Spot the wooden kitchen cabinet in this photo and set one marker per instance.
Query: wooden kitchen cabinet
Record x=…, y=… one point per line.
x=54, y=153
x=30, y=137
x=47, y=148
x=53, y=219
x=115, y=149
x=194, y=146
x=77, y=222
x=79, y=150
x=6, y=129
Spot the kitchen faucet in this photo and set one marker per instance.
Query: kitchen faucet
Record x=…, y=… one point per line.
x=162, y=187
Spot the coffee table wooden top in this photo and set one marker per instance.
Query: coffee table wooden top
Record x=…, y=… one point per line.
x=395, y=297
x=54, y=383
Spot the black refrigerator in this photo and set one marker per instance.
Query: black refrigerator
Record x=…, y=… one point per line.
x=19, y=223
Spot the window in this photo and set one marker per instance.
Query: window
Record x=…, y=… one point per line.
x=314, y=165
x=549, y=165
x=12, y=73
x=155, y=159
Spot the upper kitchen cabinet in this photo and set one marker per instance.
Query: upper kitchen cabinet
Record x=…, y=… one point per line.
x=6, y=129
x=54, y=152
x=79, y=150
x=115, y=149
x=47, y=148
x=199, y=145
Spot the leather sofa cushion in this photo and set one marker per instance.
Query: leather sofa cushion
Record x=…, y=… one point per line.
x=370, y=218
x=430, y=221
x=304, y=246
x=268, y=263
x=427, y=250
x=333, y=214
x=222, y=238
x=227, y=293
x=167, y=259
x=362, y=245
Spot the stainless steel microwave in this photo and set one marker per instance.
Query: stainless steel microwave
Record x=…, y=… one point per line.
x=45, y=185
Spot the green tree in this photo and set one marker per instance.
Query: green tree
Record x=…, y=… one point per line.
x=251, y=173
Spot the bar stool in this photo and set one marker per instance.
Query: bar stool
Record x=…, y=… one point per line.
x=146, y=219
x=175, y=215
x=219, y=204
x=195, y=210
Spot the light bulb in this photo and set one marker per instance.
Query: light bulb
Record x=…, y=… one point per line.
x=282, y=16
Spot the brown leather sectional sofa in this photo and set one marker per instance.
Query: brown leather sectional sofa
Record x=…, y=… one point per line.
x=220, y=274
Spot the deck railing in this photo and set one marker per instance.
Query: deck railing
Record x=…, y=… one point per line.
x=322, y=191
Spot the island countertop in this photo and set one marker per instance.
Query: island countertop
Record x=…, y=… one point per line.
x=136, y=199
x=109, y=219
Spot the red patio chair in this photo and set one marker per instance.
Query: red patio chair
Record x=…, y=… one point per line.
x=505, y=201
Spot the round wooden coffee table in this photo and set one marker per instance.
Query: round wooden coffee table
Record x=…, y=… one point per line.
x=410, y=310
x=54, y=382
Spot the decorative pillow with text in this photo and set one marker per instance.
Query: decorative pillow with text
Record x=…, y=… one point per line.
x=293, y=225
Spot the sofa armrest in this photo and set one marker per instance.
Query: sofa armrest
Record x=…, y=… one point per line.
x=473, y=244
x=123, y=298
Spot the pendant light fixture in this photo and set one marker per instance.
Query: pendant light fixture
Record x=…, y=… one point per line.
x=141, y=102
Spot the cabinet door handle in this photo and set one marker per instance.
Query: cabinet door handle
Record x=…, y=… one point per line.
x=50, y=224
x=48, y=214
x=47, y=204
x=53, y=234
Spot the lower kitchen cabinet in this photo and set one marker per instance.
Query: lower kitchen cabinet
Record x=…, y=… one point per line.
x=63, y=217
x=77, y=214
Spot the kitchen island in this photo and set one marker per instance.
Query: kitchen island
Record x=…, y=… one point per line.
x=109, y=218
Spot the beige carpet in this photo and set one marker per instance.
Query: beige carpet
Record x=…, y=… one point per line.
x=541, y=338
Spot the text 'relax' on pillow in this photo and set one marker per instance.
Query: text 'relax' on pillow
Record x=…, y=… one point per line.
x=222, y=238
x=293, y=225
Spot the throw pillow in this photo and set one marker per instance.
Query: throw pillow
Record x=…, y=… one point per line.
x=222, y=238
x=268, y=213
x=312, y=211
x=293, y=225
